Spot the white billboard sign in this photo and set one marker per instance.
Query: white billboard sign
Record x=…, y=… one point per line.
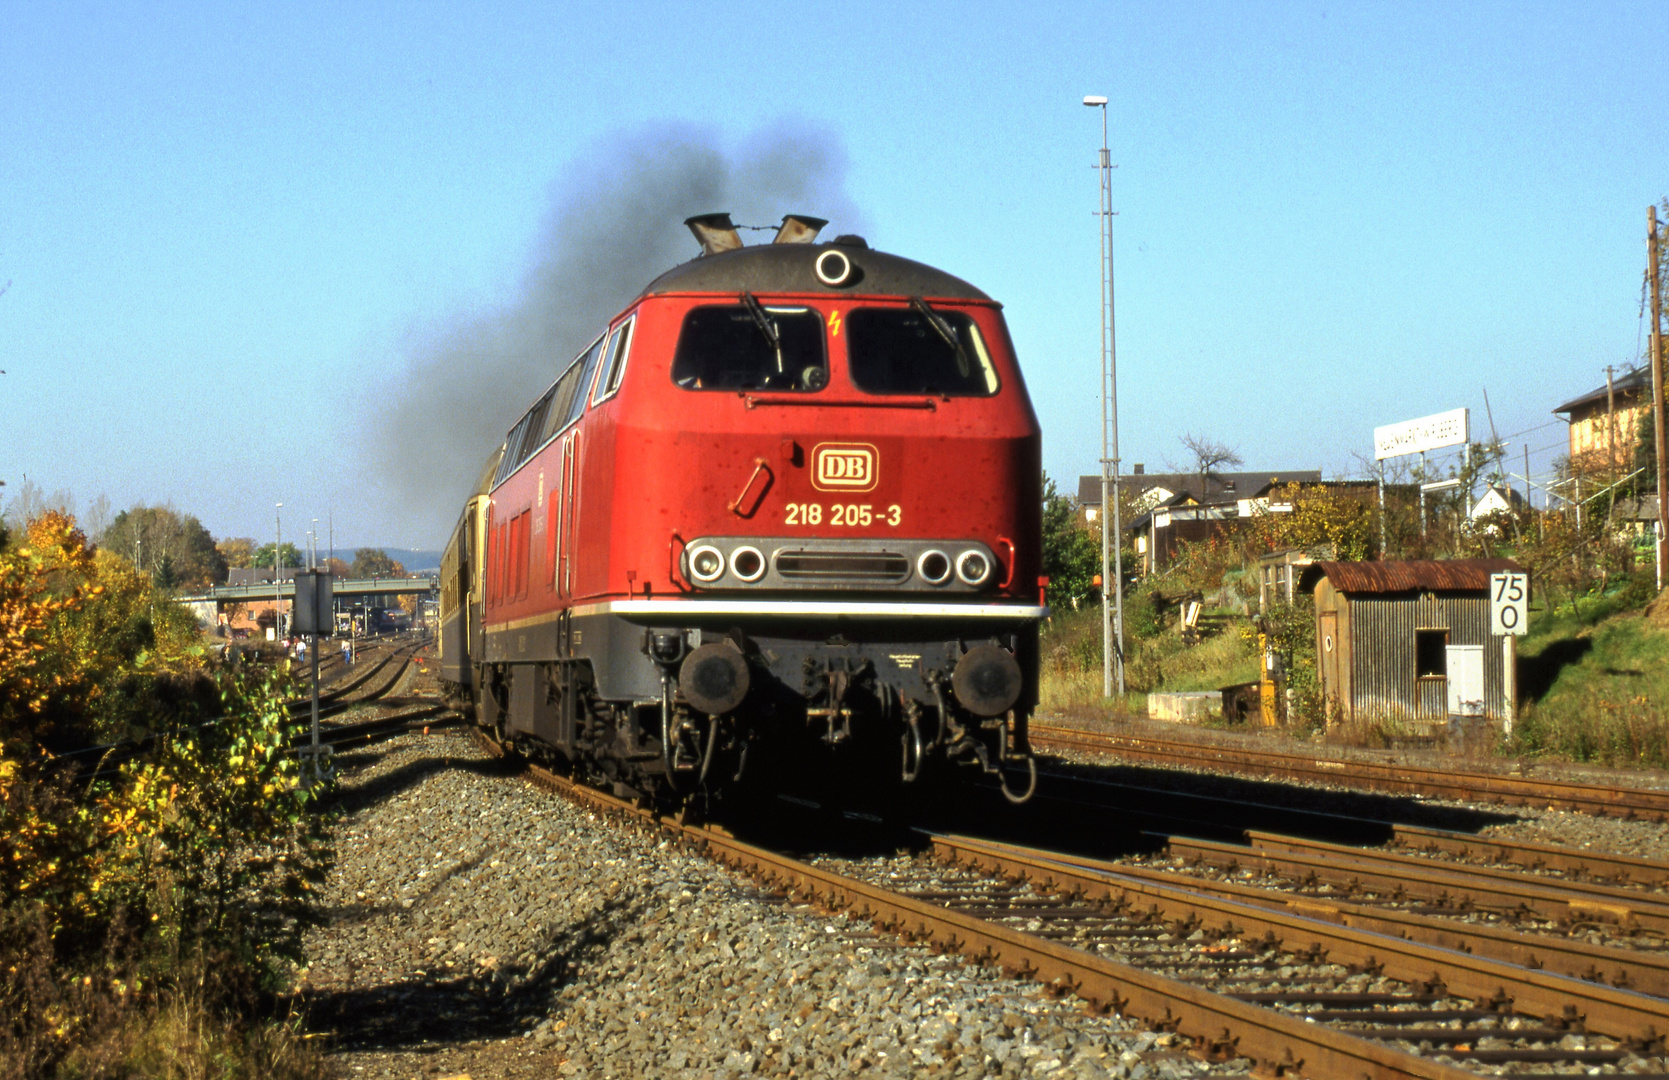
x=1452, y=428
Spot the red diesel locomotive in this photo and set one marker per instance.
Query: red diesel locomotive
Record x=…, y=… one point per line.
x=783, y=514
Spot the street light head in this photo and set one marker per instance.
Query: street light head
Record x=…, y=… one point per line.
x=1095, y=99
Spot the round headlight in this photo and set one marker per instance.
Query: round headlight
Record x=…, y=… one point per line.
x=934, y=567
x=706, y=563
x=833, y=268
x=747, y=563
x=973, y=567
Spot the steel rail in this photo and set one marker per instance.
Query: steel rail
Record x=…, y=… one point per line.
x=1648, y=803
x=1612, y=1011
x=1427, y=880
x=1221, y=1025
x=1627, y=869
x=1601, y=892
x=1632, y=969
x=338, y=735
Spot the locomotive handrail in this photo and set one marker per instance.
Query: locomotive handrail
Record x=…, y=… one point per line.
x=867, y=403
x=1012, y=553
x=759, y=466
x=675, y=555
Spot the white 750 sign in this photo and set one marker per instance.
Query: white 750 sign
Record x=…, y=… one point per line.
x=1509, y=603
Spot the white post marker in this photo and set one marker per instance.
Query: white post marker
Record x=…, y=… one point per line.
x=1509, y=617
x=1509, y=603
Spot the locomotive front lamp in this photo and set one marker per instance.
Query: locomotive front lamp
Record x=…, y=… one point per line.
x=706, y=563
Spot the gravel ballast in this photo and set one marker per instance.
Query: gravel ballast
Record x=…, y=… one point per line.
x=479, y=925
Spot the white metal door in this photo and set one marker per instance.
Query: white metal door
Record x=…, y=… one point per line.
x=1466, y=680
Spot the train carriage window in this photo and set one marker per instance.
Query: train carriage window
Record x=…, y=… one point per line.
x=562, y=395
x=751, y=347
x=918, y=350
x=614, y=363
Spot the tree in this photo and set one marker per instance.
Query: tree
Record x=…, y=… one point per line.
x=1209, y=456
x=338, y=568
x=288, y=555
x=374, y=563
x=175, y=550
x=238, y=551
x=1071, y=554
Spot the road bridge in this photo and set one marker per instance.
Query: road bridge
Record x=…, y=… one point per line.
x=286, y=590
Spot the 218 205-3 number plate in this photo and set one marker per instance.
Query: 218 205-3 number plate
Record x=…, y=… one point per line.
x=843, y=515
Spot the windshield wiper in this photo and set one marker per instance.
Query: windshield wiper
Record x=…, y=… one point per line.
x=943, y=329
x=766, y=326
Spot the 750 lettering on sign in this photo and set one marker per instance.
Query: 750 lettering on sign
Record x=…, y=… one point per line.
x=1509, y=603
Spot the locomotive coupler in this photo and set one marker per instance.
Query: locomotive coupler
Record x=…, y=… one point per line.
x=837, y=681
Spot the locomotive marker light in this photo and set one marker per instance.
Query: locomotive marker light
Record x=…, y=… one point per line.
x=934, y=567
x=706, y=563
x=973, y=567
x=747, y=563
x=1112, y=623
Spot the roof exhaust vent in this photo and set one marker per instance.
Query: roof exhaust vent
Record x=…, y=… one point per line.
x=714, y=232
x=798, y=229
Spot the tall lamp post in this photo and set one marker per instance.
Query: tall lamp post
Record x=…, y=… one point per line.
x=277, y=543
x=1112, y=621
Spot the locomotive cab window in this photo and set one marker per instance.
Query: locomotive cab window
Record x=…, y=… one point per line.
x=918, y=350
x=751, y=347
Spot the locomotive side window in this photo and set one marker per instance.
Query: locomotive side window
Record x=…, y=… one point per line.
x=918, y=350
x=614, y=364
x=751, y=347
x=512, y=451
x=588, y=368
x=562, y=395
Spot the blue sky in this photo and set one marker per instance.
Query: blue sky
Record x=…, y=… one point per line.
x=232, y=233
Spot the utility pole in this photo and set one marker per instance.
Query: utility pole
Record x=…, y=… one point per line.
x=1112, y=630
x=1610, y=417
x=1657, y=393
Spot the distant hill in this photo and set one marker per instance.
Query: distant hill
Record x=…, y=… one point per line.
x=415, y=560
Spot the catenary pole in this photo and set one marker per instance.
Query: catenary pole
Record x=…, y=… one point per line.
x=1112, y=555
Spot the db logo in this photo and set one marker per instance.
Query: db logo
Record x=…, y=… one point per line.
x=843, y=467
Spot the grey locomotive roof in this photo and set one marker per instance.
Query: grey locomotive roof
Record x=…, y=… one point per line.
x=777, y=268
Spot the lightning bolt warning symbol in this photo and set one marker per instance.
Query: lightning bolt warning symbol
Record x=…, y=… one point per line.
x=834, y=323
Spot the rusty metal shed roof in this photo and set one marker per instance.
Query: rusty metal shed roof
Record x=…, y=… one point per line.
x=1433, y=575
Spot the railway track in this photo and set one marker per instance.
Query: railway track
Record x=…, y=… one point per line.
x=1300, y=991
x=1642, y=803
x=374, y=680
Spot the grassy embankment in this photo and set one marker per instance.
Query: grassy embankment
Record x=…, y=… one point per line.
x=1156, y=658
x=1593, y=675
x=1594, y=680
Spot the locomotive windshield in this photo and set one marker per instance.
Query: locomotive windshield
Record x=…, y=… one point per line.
x=751, y=347
x=918, y=350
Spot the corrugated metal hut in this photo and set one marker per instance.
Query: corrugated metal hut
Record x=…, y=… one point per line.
x=1409, y=639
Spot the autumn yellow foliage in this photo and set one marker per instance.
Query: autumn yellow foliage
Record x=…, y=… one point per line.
x=140, y=784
